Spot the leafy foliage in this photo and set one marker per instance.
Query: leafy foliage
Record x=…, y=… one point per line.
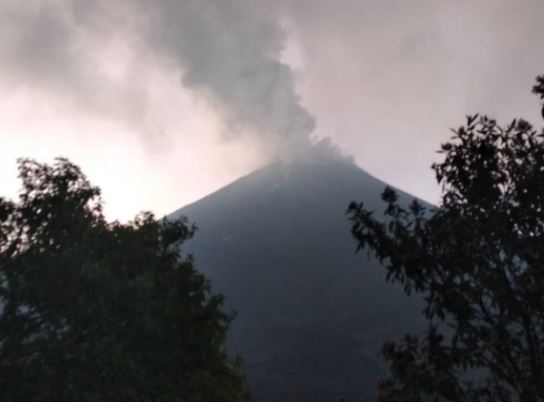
x=96, y=311
x=478, y=261
x=538, y=89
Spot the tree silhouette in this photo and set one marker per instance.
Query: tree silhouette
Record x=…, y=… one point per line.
x=539, y=90
x=98, y=311
x=478, y=261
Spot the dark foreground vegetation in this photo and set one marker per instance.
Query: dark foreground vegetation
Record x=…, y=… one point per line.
x=478, y=260
x=93, y=311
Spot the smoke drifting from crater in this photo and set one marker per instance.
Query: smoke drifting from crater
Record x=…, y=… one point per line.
x=230, y=55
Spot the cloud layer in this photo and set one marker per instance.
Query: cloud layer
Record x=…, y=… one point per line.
x=99, y=54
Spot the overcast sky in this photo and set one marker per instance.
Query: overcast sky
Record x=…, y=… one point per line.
x=162, y=102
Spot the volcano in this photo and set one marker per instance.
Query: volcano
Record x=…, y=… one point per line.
x=311, y=313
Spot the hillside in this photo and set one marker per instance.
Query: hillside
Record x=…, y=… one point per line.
x=312, y=314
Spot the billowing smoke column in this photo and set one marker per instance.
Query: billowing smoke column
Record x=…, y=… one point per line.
x=230, y=54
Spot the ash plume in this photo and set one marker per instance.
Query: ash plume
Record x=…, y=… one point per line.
x=230, y=55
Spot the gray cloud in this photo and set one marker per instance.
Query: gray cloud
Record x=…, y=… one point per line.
x=35, y=46
x=53, y=48
x=226, y=52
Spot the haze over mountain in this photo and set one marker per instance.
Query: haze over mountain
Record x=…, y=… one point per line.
x=312, y=315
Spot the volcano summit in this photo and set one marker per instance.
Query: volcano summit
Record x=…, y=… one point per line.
x=311, y=314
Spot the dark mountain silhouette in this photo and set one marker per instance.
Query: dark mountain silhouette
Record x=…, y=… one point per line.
x=312, y=315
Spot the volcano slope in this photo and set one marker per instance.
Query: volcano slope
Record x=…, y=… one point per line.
x=311, y=314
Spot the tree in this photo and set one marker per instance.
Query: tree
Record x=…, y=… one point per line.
x=477, y=260
x=98, y=311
